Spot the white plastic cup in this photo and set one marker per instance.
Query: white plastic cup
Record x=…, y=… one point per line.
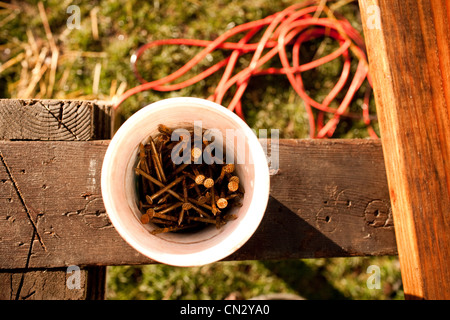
x=120, y=194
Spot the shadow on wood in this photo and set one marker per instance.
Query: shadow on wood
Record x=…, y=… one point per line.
x=270, y=239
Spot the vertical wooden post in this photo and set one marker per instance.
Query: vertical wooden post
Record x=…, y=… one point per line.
x=408, y=44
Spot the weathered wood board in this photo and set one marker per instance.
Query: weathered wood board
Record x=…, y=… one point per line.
x=49, y=120
x=328, y=199
x=56, y=120
x=71, y=283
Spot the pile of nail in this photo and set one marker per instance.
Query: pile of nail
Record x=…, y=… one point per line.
x=185, y=196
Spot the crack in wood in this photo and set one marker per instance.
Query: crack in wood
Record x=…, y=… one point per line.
x=34, y=234
x=11, y=288
x=60, y=122
x=29, y=295
x=60, y=117
x=27, y=263
x=22, y=200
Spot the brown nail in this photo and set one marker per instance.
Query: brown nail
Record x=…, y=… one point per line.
x=208, y=183
x=202, y=199
x=172, y=207
x=200, y=219
x=234, y=178
x=158, y=183
x=185, y=190
x=163, y=190
x=170, y=229
x=164, y=217
x=145, y=218
x=233, y=186
x=199, y=178
x=181, y=216
x=157, y=161
x=196, y=153
x=178, y=170
x=151, y=213
x=194, y=204
x=228, y=168
x=214, y=209
x=222, y=203
x=165, y=130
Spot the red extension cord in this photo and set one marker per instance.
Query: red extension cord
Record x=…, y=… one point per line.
x=288, y=28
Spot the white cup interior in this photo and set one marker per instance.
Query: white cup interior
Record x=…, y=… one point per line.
x=119, y=183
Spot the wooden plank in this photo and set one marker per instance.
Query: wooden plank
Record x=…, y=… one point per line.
x=55, y=120
x=40, y=285
x=52, y=120
x=329, y=198
x=53, y=284
x=409, y=54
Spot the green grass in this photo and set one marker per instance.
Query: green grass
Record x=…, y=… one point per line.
x=269, y=102
x=337, y=278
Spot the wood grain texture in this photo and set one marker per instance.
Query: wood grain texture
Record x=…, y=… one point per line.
x=56, y=120
x=49, y=120
x=41, y=285
x=328, y=199
x=409, y=57
x=53, y=284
